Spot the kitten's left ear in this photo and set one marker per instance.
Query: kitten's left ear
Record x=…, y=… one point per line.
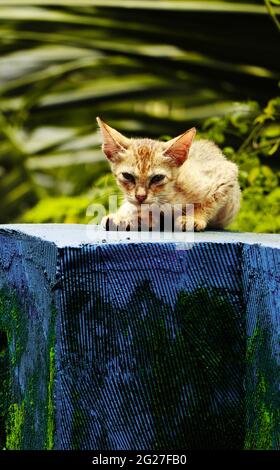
x=113, y=141
x=178, y=148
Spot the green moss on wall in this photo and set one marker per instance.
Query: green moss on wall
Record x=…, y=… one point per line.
x=12, y=322
x=26, y=394
x=262, y=394
x=195, y=369
x=50, y=413
x=264, y=416
x=15, y=426
x=15, y=330
x=79, y=426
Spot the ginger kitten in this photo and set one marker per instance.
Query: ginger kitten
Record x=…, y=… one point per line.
x=180, y=171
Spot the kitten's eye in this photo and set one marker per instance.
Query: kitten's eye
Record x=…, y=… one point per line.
x=129, y=177
x=157, y=179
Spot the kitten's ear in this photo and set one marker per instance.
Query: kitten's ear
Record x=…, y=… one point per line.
x=178, y=148
x=113, y=141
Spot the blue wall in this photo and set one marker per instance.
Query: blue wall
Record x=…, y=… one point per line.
x=152, y=347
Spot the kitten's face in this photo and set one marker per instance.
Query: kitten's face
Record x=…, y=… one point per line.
x=146, y=170
x=144, y=174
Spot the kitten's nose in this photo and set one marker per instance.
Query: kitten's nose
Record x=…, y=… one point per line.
x=141, y=197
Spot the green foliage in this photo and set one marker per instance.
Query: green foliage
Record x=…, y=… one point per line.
x=250, y=136
x=72, y=210
x=151, y=68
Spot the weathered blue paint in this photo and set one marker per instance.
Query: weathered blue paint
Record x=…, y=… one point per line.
x=155, y=347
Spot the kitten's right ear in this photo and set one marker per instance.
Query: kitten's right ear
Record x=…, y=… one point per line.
x=113, y=141
x=179, y=147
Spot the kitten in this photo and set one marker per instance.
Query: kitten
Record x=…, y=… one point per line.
x=180, y=171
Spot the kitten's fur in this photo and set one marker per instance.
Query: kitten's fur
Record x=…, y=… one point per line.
x=195, y=172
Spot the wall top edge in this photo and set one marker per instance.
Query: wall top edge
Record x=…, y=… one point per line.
x=74, y=235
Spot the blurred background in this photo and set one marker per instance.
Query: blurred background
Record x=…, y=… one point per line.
x=149, y=68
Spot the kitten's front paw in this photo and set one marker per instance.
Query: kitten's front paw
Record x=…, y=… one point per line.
x=116, y=223
x=199, y=224
x=184, y=224
x=187, y=224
